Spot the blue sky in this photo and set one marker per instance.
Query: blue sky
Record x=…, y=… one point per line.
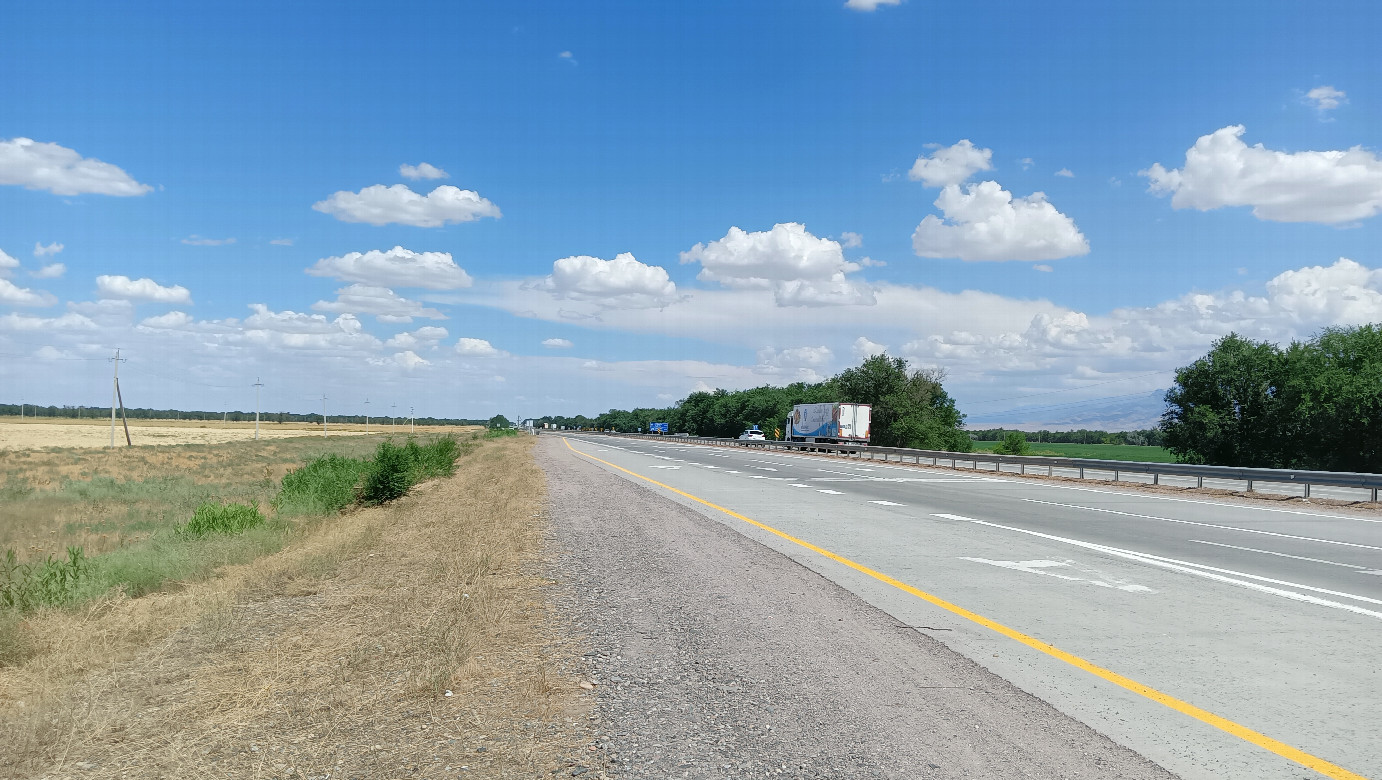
x=611, y=175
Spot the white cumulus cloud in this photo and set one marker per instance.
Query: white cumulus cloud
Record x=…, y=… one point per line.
x=7, y=264
x=851, y=240
x=1066, y=172
x=409, y=359
x=61, y=171
x=421, y=171
x=380, y=301
x=122, y=287
x=171, y=320
x=380, y=205
x=423, y=338
x=985, y=222
x=800, y=268
x=196, y=240
x=864, y=349
x=622, y=283
x=46, y=251
x=557, y=344
x=951, y=164
x=1326, y=98
x=14, y=295
x=50, y=271
x=1220, y=170
x=798, y=364
x=70, y=321
x=476, y=348
x=397, y=267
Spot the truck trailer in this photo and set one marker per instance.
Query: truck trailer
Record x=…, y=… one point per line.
x=832, y=423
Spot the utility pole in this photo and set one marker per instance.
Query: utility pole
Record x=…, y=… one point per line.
x=393, y=415
x=323, y=415
x=115, y=396
x=410, y=420
x=257, y=385
x=366, y=416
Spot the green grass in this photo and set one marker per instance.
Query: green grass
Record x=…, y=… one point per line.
x=321, y=487
x=221, y=519
x=1129, y=452
x=499, y=433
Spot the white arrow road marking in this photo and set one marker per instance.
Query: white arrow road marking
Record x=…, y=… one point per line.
x=886, y=503
x=1199, y=570
x=1038, y=567
x=831, y=492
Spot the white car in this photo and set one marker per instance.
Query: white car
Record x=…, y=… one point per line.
x=753, y=434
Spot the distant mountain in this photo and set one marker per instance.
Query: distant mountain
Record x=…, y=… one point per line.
x=1119, y=413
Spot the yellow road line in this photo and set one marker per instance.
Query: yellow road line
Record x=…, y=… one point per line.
x=1223, y=724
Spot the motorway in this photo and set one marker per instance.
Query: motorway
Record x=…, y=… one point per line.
x=1218, y=640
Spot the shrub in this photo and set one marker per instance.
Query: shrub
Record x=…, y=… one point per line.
x=222, y=519
x=1014, y=443
x=499, y=433
x=388, y=476
x=320, y=487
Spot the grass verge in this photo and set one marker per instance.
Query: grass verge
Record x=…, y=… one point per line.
x=332, y=656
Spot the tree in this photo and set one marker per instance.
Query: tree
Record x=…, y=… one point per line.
x=909, y=410
x=1014, y=443
x=1226, y=407
x=499, y=421
x=1333, y=391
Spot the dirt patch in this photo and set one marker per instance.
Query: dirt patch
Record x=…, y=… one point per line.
x=412, y=640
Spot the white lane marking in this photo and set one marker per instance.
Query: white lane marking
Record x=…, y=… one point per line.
x=1199, y=570
x=1207, y=525
x=1279, y=554
x=830, y=492
x=765, y=468
x=886, y=503
x=1039, y=567
x=709, y=466
x=658, y=466
x=794, y=484
x=734, y=472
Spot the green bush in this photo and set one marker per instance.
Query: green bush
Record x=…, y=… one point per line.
x=221, y=519
x=499, y=433
x=1014, y=443
x=322, y=486
x=389, y=475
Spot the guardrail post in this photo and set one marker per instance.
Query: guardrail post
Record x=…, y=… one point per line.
x=1199, y=481
x=1156, y=478
x=1374, y=495
x=1082, y=472
x=1022, y=469
x=1249, y=486
x=1115, y=475
x=1307, y=489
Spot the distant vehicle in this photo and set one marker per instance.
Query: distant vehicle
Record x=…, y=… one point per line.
x=829, y=423
x=753, y=434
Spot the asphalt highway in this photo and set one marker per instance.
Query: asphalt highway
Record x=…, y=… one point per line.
x=1216, y=639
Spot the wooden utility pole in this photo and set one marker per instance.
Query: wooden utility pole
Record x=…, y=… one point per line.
x=257, y=385
x=323, y=415
x=116, y=399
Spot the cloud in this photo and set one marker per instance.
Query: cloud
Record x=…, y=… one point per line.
x=281, y=242
x=622, y=283
x=1025, y=162
x=50, y=271
x=985, y=222
x=61, y=171
x=421, y=171
x=7, y=264
x=196, y=240
x=70, y=321
x=425, y=337
x=380, y=205
x=800, y=269
x=368, y=299
x=106, y=312
x=868, y=5
x=1325, y=98
x=409, y=360
x=45, y=251
x=798, y=364
x=477, y=348
x=1066, y=173
x=951, y=164
x=851, y=240
x=141, y=290
x=1220, y=170
x=173, y=319
x=1044, y=268
x=863, y=349
x=557, y=344
x=397, y=267
x=566, y=55
x=13, y=295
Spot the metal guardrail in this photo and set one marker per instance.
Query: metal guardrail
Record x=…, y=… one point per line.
x=1305, y=479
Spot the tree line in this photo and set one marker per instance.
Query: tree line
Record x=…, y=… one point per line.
x=1315, y=404
x=910, y=408
x=1150, y=437
x=139, y=413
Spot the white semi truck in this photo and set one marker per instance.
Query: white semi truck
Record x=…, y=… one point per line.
x=829, y=423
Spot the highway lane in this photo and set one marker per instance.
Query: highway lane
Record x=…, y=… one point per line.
x=1266, y=616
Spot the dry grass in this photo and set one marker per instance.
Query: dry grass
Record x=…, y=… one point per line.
x=333, y=656
x=32, y=433
x=102, y=499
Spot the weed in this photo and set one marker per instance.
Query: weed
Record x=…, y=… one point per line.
x=321, y=487
x=222, y=519
x=389, y=474
x=499, y=433
x=27, y=586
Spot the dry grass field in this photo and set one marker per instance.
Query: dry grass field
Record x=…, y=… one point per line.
x=412, y=639
x=33, y=433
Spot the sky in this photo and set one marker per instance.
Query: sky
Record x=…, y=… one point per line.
x=468, y=209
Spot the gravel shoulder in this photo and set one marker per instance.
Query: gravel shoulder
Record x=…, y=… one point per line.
x=714, y=656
